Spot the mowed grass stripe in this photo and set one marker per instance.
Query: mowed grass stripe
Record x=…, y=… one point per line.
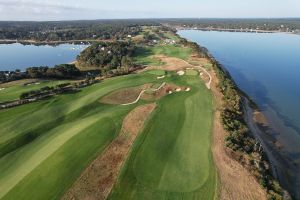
x=53, y=176
x=62, y=135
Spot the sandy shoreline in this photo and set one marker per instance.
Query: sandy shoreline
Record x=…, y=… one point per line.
x=284, y=170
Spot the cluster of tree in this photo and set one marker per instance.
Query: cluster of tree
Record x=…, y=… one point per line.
x=72, y=30
x=63, y=71
x=6, y=76
x=107, y=55
x=244, y=147
x=285, y=24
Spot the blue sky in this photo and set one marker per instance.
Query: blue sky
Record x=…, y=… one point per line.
x=107, y=9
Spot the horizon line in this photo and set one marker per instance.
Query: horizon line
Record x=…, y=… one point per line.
x=147, y=18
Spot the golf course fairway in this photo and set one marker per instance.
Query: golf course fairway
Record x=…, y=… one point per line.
x=45, y=145
x=172, y=158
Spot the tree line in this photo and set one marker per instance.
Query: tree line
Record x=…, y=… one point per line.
x=63, y=71
x=283, y=24
x=72, y=30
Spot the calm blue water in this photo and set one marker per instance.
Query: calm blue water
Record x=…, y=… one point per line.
x=267, y=68
x=18, y=56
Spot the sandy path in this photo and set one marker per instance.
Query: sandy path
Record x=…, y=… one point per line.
x=236, y=182
x=98, y=179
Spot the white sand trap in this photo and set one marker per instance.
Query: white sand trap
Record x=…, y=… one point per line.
x=37, y=83
x=160, y=77
x=180, y=73
x=2, y=89
x=178, y=89
x=187, y=89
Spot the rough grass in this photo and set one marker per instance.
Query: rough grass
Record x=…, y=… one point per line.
x=45, y=145
x=122, y=96
x=172, y=157
x=13, y=91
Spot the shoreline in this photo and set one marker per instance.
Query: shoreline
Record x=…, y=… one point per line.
x=51, y=43
x=235, y=30
x=251, y=104
x=261, y=129
x=236, y=180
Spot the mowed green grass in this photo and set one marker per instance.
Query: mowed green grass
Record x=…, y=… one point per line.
x=13, y=91
x=157, y=72
x=172, y=157
x=191, y=72
x=45, y=145
x=145, y=55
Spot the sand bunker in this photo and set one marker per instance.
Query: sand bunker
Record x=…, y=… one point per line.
x=161, y=77
x=180, y=73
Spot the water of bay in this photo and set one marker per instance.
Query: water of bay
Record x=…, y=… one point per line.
x=267, y=68
x=18, y=56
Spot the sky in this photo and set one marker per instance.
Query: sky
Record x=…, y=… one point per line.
x=41, y=10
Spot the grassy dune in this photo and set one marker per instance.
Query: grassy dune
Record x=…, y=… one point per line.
x=45, y=145
x=172, y=158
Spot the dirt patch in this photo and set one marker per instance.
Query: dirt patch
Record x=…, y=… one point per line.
x=96, y=182
x=236, y=182
x=124, y=96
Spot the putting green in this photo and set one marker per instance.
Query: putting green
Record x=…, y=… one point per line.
x=191, y=72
